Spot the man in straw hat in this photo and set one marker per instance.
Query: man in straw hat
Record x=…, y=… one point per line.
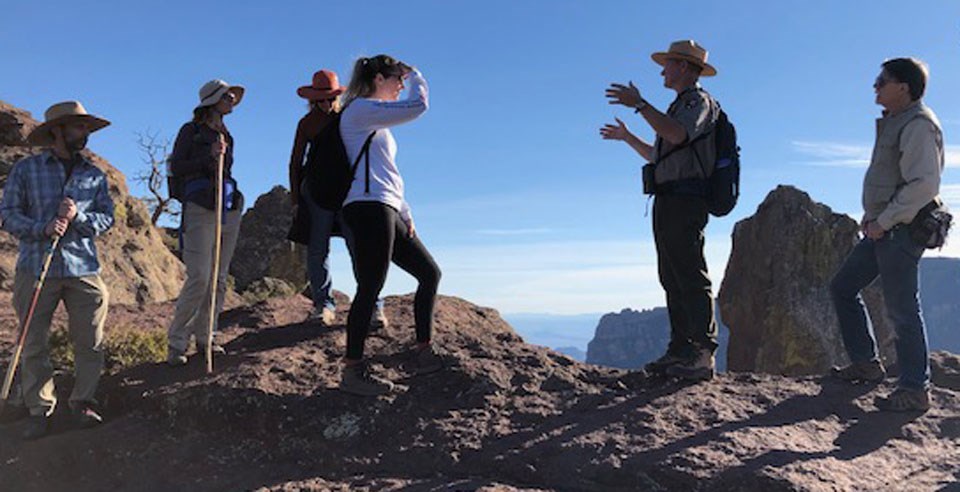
x=680, y=165
x=59, y=193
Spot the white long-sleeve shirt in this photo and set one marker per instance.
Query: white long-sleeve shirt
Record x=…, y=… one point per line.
x=364, y=116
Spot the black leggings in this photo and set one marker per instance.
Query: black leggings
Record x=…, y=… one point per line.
x=379, y=236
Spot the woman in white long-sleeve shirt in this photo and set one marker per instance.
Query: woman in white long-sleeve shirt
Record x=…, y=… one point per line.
x=378, y=215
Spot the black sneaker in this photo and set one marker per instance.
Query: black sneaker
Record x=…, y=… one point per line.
x=85, y=416
x=37, y=427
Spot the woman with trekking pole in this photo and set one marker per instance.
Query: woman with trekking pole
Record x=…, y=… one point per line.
x=201, y=165
x=379, y=217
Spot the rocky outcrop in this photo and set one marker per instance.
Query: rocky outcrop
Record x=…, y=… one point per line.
x=775, y=295
x=502, y=415
x=135, y=264
x=263, y=249
x=629, y=339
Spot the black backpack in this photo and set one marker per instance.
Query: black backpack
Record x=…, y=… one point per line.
x=328, y=171
x=176, y=184
x=723, y=185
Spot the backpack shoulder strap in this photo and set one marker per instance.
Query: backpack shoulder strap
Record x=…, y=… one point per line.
x=364, y=151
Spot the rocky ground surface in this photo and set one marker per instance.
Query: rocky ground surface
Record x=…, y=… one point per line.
x=503, y=415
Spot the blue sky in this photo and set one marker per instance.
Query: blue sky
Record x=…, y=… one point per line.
x=522, y=203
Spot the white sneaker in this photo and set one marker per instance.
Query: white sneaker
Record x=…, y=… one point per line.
x=325, y=316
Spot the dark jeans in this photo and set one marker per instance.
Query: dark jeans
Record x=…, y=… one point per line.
x=895, y=259
x=678, y=224
x=322, y=222
x=379, y=236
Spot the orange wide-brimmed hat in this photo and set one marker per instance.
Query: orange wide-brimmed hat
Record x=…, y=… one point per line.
x=325, y=85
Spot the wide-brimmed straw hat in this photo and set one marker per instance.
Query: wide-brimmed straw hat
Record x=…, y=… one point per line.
x=213, y=91
x=687, y=50
x=325, y=85
x=62, y=113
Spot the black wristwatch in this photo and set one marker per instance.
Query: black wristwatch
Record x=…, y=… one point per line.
x=640, y=105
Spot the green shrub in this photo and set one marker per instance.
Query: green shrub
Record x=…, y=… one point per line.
x=122, y=348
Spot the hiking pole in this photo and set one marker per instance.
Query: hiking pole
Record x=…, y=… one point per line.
x=215, y=270
x=15, y=361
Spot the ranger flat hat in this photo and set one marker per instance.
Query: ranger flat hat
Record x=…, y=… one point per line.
x=687, y=50
x=61, y=113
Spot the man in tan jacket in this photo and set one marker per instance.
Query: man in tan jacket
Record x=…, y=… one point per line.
x=903, y=179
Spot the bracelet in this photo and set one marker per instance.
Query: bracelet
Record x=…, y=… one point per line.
x=640, y=105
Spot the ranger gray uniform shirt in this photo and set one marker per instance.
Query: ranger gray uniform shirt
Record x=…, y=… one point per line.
x=697, y=112
x=904, y=172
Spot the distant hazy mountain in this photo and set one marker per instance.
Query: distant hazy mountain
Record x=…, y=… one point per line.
x=940, y=300
x=555, y=330
x=576, y=353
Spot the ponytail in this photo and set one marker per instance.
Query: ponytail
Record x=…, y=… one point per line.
x=365, y=71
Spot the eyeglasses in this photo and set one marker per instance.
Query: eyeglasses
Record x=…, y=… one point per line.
x=327, y=100
x=229, y=96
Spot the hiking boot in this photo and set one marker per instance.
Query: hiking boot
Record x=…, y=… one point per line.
x=426, y=361
x=904, y=400
x=869, y=371
x=176, y=357
x=85, y=416
x=356, y=380
x=37, y=427
x=379, y=319
x=326, y=316
x=665, y=361
x=700, y=368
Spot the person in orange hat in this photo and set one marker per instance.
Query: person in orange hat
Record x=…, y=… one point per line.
x=323, y=95
x=680, y=208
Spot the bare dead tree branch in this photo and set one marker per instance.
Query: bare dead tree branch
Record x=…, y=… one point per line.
x=154, y=156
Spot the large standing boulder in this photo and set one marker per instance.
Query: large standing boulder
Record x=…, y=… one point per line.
x=263, y=249
x=775, y=296
x=135, y=264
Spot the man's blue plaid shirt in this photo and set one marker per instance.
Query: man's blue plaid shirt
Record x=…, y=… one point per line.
x=31, y=199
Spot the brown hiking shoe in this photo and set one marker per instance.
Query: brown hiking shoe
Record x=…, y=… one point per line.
x=904, y=400
x=871, y=371
x=426, y=361
x=666, y=360
x=700, y=368
x=357, y=380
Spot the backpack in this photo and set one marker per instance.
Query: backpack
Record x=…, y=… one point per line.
x=328, y=171
x=177, y=184
x=723, y=185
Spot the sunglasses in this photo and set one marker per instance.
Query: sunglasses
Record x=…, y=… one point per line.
x=880, y=82
x=327, y=100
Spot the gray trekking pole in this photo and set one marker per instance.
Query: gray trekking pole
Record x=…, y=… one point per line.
x=15, y=361
x=215, y=270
